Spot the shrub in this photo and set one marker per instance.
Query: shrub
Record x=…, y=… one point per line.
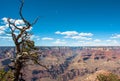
x=110, y=77
x=6, y=76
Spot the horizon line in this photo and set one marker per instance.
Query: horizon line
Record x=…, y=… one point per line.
x=66, y=46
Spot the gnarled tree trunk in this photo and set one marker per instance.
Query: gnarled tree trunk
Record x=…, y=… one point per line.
x=18, y=67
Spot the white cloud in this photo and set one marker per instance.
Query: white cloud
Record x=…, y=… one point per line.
x=68, y=33
x=115, y=42
x=35, y=37
x=59, y=42
x=72, y=33
x=1, y=32
x=81, y=38
x=85, y=34
x=108, y=40
x=47, y=38
x=57, y=32
x=8, y=34
x=5, y=20
x=2, y=29
x=97, y=40
x=76, y=35
x=18, y=22
x=116, y=36
x=6, y=38
x=81, y=41
x=112, y=41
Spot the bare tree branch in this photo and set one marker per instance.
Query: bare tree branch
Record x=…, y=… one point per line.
x=35, y=21
x=12, y=30
x=20, y=12
x=25, y=21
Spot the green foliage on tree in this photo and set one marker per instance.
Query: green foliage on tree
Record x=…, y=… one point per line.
x=110, y=77
x=6, y=76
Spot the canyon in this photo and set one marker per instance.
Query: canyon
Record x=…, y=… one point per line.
x=67, y=63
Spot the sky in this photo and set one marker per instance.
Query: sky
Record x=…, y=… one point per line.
x=66, y=22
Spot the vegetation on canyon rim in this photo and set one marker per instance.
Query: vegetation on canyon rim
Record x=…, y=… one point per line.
x=109, y=77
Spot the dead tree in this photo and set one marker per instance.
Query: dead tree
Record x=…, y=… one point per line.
x=23, y=44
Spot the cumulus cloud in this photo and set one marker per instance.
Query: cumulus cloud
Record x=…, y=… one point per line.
x=115, y=42
x=47, y=38
x=112, y=41
x=81, y=41
x=116, y=36
x=5, y=20
x=81, y=38
x=18, y=22
x=1, y=32
x=97, y=40
x=35, y=37
x=8, y=38
x=4, y=27
x=75, y=35
x=108, y=40
x=86, y=34
x=68, y=33
x=59, y=42
x=57, y=32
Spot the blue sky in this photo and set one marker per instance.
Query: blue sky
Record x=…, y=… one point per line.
x=68, y=22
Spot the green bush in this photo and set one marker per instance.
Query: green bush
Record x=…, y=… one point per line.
x=6, y=76
x=110, y=77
